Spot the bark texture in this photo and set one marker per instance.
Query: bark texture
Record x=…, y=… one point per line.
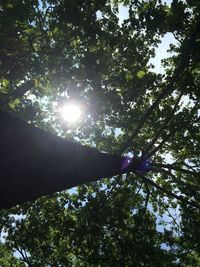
x=34, y=162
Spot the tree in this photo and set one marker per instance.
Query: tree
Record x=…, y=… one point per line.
x=52, y=52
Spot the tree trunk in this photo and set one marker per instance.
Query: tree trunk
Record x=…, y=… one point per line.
x=34, y=163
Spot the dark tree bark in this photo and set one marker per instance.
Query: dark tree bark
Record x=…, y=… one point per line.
x=34, y=163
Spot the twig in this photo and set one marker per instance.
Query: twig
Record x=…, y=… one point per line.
x=173, y=167
x=167, y=120
x=24, y=256
x=156, y=149
x=147, y=198
x=183, y=125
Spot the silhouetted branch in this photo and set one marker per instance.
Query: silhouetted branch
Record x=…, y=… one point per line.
x=17, y=93
x=147, y=198
x=173, y=167
x=166, y=122
x=156, y=149
x=181, y=126
x=188, y=189
x=168, y=192
x=24, y=256
x=22, y=89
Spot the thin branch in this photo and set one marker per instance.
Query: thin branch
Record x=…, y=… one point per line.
x=168, y=192
x=169, y=213
x=147, y=198
x=114, y=186
x=139, y=189
x=174, y=179
x=191, y=167
x=166, y=122
x=183, y=125
x=189, y=190
x=24, y=256
x=173, y=167
x=156, y=149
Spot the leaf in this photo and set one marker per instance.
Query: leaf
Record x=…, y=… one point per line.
x=141, y=74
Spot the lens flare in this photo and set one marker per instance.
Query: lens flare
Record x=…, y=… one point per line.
x=71, y=112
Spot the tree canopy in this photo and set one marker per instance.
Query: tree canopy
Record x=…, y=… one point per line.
x=54, y=52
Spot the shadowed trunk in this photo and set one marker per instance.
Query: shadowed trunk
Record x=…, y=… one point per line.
x=34, y=163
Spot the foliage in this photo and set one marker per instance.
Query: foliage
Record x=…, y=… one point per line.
x=52, y=52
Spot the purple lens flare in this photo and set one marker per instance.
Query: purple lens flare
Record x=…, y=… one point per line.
x=144, y=165
x=126, y=163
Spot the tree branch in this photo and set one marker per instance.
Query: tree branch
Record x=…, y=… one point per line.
x=183, y=125
x=51, y=163
x=188, y=43
x=168, y=192
x=147, y=198
x=173, y=167
x=22, y=89
x=18, y=92
x=24, y=256
x=166, y=122
x=174, y=179
x=156, y=149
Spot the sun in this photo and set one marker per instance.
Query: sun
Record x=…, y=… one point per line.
x=71, y=112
